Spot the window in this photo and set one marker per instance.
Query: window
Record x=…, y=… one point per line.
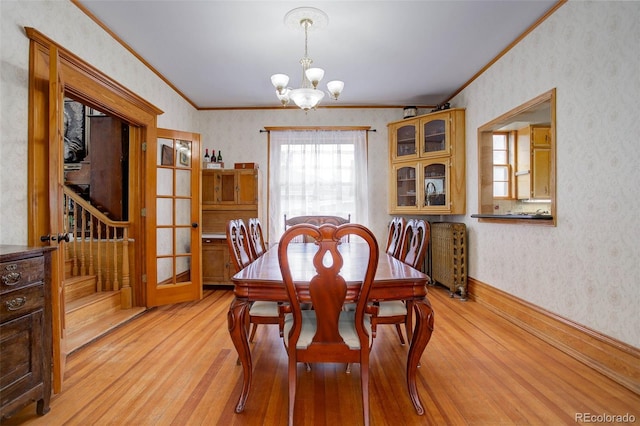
x=317, y=172
x=501, y=168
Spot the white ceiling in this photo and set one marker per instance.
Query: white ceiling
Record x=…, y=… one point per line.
x=389, y=53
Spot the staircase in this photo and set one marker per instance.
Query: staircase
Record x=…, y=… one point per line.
x=97, y=286
x=90, y=314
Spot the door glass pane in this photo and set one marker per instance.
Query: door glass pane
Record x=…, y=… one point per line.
x=183, y=240
x=164, y=241
x=183, y=182
x=165, y=181
x=164, y=213
x=183, y=211
x=165, y=271
x=183, y=153
x=183, y=268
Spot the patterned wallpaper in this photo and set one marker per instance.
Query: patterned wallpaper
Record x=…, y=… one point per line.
x=586, y=269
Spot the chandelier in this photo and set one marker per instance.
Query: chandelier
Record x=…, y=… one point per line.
x=308, y=95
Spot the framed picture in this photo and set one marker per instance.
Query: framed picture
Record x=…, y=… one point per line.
x=184, y=149
x=167, y=156
x=184, y=158
x=75, y=132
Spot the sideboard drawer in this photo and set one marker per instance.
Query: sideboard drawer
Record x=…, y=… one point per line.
x=21, y=302
x=20, y=273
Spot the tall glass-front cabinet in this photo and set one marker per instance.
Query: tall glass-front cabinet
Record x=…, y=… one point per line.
x=427, y=169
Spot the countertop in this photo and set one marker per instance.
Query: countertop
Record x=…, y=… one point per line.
x=513, y=216
x=215, y=236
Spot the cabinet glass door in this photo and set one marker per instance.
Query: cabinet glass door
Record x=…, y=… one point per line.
x=435, y=185
x=405, y=141
x=406, y=186
x=434, y=136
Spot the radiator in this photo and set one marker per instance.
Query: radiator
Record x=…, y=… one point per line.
x=448, y=256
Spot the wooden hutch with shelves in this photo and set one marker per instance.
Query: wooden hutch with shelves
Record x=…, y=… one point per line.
x=226, y=194
x=427, y=164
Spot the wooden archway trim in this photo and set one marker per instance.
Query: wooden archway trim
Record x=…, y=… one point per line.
x=78, y=71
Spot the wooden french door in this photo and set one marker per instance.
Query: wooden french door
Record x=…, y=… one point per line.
x=56, y=234
x=173, y=219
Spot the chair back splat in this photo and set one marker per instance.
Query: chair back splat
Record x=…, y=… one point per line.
x=414, y=242
x=256, y=238
x=394, y=240
x=327, y=333
x=238, y=242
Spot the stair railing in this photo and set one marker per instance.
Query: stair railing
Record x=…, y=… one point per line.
x=98, y=246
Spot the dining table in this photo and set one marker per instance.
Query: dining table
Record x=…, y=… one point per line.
x=394, y=280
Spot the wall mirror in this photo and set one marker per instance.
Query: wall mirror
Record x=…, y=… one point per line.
x=516, y=165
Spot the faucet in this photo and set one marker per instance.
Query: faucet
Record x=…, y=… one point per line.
x=430, y=190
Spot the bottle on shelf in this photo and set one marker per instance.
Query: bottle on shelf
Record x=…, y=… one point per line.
x=207, y=158
x=219, y=156
x=213, y=155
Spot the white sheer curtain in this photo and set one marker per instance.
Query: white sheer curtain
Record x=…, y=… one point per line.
x=317, y=172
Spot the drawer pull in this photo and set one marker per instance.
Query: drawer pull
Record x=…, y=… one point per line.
x=12, y=278
x=15, y=304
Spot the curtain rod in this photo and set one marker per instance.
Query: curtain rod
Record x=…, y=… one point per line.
x=268, y=131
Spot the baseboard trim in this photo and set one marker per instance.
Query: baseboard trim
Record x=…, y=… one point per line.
x=616, y=360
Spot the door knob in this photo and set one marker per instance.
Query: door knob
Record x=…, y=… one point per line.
x=194, y=225
x=59, y=237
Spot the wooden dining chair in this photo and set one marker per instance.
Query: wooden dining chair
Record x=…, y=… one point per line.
x=394, y=238
x=242, y=253
x=328, y=334
x=238, y=242
x=414, y=242
x=412, y=250
x=316, y=220
x=256, y=238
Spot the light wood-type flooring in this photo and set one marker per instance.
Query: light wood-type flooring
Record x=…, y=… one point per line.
x=176, y=365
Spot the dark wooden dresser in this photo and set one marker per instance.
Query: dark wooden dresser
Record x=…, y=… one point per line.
x=25, y=328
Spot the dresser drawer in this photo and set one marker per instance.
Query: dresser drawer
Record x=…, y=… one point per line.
x=20, y=273
x=21, y=302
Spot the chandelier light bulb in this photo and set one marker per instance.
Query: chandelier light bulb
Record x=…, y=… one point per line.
x=280, y=82
x=335, y=88
x=284, y=96
x=314, y=75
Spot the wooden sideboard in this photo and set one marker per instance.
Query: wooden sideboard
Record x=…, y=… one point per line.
x=25, y=328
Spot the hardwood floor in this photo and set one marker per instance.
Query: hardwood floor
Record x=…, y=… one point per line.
x=176, y=365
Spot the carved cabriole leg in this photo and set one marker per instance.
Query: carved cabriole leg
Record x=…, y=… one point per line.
x=421, y=336
x=236, y=321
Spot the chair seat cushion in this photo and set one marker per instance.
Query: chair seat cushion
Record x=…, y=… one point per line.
x=346, y=327
x=264, y=309
x=392, y=308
